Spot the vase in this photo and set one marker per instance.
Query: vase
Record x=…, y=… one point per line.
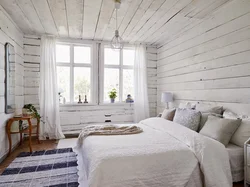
x=112, y=100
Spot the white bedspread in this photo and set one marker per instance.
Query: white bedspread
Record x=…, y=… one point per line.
x=165, y=154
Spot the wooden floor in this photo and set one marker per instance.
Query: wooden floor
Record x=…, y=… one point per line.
x=45, y=145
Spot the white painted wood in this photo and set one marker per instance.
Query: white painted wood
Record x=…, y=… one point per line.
x=58, y=10
x=74, y=10
x=209, y=62
x=43, y=10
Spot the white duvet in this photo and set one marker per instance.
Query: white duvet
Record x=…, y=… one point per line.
x=165, y=154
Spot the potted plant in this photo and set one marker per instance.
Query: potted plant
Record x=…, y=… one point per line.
x=30, y=110
x=112, y=95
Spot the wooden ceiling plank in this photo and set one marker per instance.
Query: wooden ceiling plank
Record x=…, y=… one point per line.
x=106, y=12
x=207, y=10
x=30, y=12
x=165, y=19
x=17, y=15
x=90, y=17
x=152, y=21
x=110, y=31
x=44, y=14
x=129, y=15
x=74, y=10
x=144, y=6
x=58, y=10
x=154, y=7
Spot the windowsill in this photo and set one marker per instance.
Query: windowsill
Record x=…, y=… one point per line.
x=95, y=104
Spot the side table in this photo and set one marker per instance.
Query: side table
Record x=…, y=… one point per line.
x=23, y=131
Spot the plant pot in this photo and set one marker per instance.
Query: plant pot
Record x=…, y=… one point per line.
x=26, y=112
x=112, y=100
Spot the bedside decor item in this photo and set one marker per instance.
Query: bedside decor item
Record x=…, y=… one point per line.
x=112, y=95
x=79, y=100
x=166, y=97
x=129, y=99
x=30, y=110
x=9, y=79
x=117, y=41
x=86, y=100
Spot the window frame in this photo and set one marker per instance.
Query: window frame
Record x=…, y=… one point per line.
x=71, y=65
x=121, y=67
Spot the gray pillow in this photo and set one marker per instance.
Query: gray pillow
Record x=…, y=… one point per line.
x=209, y=109
x=242, y=134
x=204, y=117
x=188, y=118
x=168, y=114
x=220, y=129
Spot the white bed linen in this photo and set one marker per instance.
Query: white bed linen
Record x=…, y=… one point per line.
x=236, y=158
x=165, y=154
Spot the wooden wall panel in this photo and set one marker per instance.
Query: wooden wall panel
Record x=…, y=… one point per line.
x=210, y=62
x=10, y=33
x=74, y=117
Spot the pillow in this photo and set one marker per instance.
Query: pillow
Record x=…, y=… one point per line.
x=209, y=109
x=168, y=114
x=230, y=115
x=242, y=134
x=187, y=105
x=188, y=118
x=220, y=129
x=204, y=117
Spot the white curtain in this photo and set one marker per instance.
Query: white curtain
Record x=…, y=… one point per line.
x=48, y=94
x=141, y=105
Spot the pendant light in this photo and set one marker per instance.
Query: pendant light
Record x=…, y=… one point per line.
x=117, y=42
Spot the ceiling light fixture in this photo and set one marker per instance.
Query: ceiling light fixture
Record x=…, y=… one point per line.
x=117, y=42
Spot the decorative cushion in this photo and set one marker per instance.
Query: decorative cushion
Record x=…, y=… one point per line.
x=188, y=118
x=209, y=109
x=168, y=114
x=230, y=115
x=220, y=129
x=242, y=134
x=186, y=105
x=204, y=117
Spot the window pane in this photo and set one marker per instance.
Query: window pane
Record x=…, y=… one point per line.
x=63, y=79
x=128, y=83
x=128, y=57
x=82, y=54
x=111, y=80
x=82, y=82
x=63, y=53
x=111, y=56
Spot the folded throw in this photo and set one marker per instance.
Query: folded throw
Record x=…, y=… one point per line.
x=106, y=130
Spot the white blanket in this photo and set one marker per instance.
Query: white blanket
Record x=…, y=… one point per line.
x=165, y=154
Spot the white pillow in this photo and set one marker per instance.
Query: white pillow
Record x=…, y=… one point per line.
x=220, y=129
x=230, y=115
x=209, y=109
x=242, y=134
x=187, y=105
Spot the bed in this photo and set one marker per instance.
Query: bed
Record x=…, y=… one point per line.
x=165, y=154
x=236, y=158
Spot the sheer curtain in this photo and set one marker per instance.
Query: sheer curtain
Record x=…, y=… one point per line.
x=48, y=94
x=141, y=106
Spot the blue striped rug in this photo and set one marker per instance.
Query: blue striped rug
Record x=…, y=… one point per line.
x=57, y=168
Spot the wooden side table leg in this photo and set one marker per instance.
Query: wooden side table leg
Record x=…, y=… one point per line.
x=30, y=131
x=9, y=135
x=37, y=130
x=21, y=138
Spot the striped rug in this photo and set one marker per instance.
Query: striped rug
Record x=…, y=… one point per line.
x=57, y=168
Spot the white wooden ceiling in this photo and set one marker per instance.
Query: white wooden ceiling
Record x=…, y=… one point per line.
x=144, y=21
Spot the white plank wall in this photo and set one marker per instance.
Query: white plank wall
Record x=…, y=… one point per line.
x=10, y=33
x=74, y=117
x=210, y=62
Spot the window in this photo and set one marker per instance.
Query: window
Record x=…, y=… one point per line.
x=117, y=67
x=74, y=71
